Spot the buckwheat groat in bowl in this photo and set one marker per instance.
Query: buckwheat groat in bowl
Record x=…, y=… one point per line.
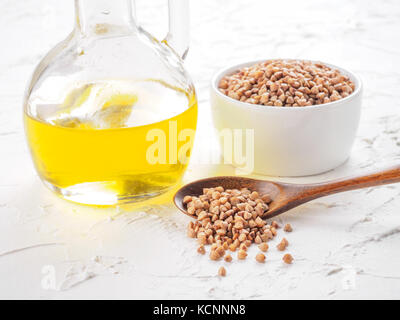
x=304, y=115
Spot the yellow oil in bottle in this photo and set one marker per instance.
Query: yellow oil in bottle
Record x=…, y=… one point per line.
x=113, y=142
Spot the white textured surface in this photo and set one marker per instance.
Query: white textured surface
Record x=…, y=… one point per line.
x=125, y=253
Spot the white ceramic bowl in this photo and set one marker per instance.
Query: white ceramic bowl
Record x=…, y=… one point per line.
x=292, y=141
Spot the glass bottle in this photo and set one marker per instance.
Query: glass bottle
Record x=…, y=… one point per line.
x=110, y=112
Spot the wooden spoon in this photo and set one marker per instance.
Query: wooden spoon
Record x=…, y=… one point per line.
x=286, y=196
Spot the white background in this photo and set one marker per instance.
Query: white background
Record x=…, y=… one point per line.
x=345, y=246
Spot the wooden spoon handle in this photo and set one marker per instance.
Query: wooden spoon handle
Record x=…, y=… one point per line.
x=382, y=177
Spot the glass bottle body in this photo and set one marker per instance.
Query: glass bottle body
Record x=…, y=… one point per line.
x=110, y=113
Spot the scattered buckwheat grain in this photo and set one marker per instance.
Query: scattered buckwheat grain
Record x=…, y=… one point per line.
x=263, y=247
x=260, y=257
x=220, y=251
x=275, y=224
x=287, y=258
x=288, y=228
x=228, y=258
x=288, y=83
x=214, y=255
x=222, y=272
x=282, y=245
x=201, y=250
x=242, y=255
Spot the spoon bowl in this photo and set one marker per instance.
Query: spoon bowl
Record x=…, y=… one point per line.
x=279, y=192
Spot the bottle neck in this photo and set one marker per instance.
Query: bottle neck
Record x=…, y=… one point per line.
x=99, y=17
